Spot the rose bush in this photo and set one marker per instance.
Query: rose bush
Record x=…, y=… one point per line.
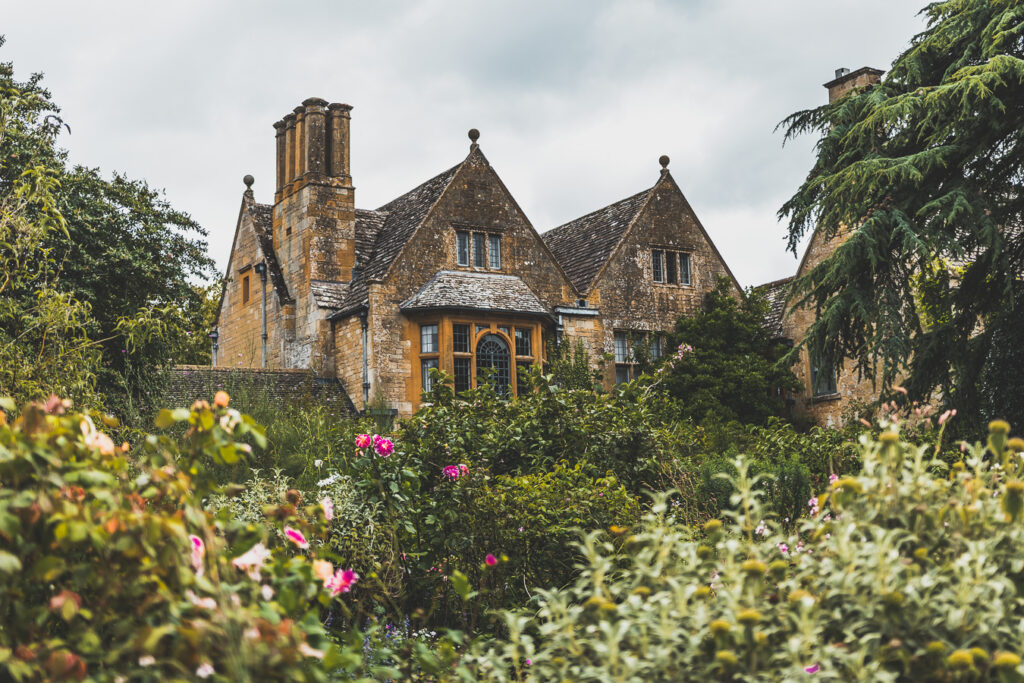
x=110, y=568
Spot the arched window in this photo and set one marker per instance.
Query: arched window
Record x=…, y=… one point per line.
x=492, y=354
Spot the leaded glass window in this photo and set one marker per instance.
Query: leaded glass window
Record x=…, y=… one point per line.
x=479, y=250
x=493, y=360
x=428, y=339
x=425, y=366
x=460, y=338
x=658, y=258
x=462, y=247
x=463, y=374
x=495, y=254
x=684, y=269
x=524, y=346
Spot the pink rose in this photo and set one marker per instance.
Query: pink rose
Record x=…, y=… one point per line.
x=296, y=537
x=198, y=551
x=341, y=582
x=384, y=447
x=491, y=560
x=364, y=441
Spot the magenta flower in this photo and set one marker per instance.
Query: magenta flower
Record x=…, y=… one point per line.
x=296, y=537
x=833, y=478
x=463, y=469
x=328, y=505
x=341, y=582
x=450, y=471
x=364, y=441
x=491, y=560
x=812, y=669
x=198, y=551
x=384, y=447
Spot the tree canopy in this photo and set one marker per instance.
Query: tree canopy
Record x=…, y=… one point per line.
x=924, y=171
x=729, y=366
x=104, y=281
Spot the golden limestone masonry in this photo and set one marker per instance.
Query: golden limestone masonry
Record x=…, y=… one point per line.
x=450, y=275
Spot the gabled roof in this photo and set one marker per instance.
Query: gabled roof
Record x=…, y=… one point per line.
x=459, y=290
x=263, y=223
x=584, y=245
x=388, y=229
x=775, y=292
x=262, y=217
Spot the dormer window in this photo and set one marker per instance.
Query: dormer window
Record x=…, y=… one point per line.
x=478, y=249
x=670, y=267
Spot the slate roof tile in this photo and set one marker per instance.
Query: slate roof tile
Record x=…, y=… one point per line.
x=584, y=245
x=391, y=226
x=775, y=292
x=452, y=289
x=263, y=221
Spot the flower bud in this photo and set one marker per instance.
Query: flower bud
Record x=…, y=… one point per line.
x=960, y=659
x=1006, y=660
x=720, y=627
x=1013, y=499
x=749, y=617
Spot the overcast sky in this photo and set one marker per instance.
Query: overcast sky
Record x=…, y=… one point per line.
x=575, y=101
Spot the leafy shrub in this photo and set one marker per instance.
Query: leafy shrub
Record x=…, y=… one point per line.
x=901, y=574
x=110, y=568
x=623, y=431
x=526, y=520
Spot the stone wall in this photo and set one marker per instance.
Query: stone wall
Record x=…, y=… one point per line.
x=187, y=383
x=474, y=200
x=240, y=324
x=827, y=410
x=626, y=293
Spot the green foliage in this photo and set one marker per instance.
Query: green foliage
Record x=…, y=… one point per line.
x=904, y=574
x=621, y=431
x=99, y=571
x=925, y=171
x=732, y=370
x=526, y=520
x=569, y=365
x=98, y=283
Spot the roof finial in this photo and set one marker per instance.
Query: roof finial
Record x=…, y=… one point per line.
x=474, y=135
x=663, y=160
x=248, y=180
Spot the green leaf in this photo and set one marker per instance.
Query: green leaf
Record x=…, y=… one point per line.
x=461, y=584
x=9, y=563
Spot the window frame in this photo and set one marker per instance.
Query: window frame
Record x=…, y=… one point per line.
x=658, y=265
x=667, y=267
x=480, y=250
x=684, y=257
x=494, y=251
x=831, y=388
x=246, y=290
x=462, y=248
x=424, y=327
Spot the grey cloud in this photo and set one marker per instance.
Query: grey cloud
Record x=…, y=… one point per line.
x=576, y=100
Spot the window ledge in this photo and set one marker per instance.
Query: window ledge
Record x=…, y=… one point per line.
x=825, y=398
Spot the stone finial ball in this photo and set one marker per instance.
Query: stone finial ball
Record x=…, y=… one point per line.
x=663, y=160
x=248, y=180
x=474, y=134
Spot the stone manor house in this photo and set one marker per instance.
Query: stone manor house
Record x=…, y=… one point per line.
x=453, y=275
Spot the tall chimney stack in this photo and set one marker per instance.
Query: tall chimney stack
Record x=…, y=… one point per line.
x=847, y=80
x=314, y=202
